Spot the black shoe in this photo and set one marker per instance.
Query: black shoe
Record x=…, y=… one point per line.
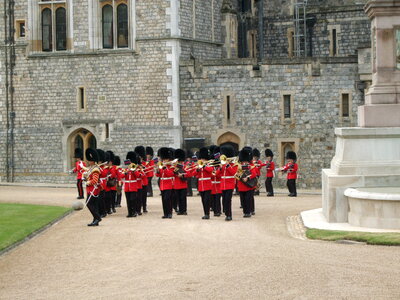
x=253, y=213
x=241, y=206
x=169, y=216
x=80, y=197
x=139, y=213
x=114, y=211
x=293, y=195
x=164, y=217
x=103, y=216
x=270, y=195
x=184, y=213
x=109, y=212
x=129, y=216
x=94, y=223
x=145, y=211
x=228, y=218
x=148, y=195
x=217, y=215
x=206, y=217
x=247, y=216
x=118, y=205
x=134, y=215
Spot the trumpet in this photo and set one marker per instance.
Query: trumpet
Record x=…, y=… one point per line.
x=88, y=171
x=168, y=163
x=225, y=160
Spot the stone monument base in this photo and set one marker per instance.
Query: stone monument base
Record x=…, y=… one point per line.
x=365, y=157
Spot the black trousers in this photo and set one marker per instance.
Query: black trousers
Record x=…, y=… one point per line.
x=291, y=185
x=180, y=196
x=149, y=187
x=245, y=198
x=227, y=202
x=268, y=186
x=216, y=201
x=144, y=198
x=166, y=202
x=206, y=199
x=80, y=187
x=118, y=198
x=138, y=202
x=252, y=202
x=93, y=206
x=174, y=200
x=102, y=203
x=189, y=188
x=110, y=200
x=130, y=203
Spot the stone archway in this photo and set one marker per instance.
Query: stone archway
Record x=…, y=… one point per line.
x=229, y=138
x=80, y=138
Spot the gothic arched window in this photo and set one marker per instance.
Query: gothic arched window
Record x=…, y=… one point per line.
x=108, y=37
x=122, y=26
x=47, y=38
x=61, y=29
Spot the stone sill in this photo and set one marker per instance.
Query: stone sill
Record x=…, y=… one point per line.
x=351, y=132
x=274, y=61
x=381, y=193
x=98, y=52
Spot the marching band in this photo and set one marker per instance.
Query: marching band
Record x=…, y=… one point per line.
x=217, y=169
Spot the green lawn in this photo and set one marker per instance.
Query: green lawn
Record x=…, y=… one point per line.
x=17, y=221
x=388, y=239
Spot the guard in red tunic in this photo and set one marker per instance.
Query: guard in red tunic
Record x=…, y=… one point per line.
x=103, y=177
x=166, y=174
x=181, y=181
x=130, y=184
x=149, y=170
x=270, y=167
x=247, y=174
x=228, y=181
x=79, y=169
x=141, y=152
x=93, y=186
x=216, y=192
x=203, y=174
x=189, y=164
x=291, y=168
x=258, y=165
x=120, y=175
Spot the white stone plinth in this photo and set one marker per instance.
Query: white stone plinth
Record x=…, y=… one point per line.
x=374, y=207
x=365, y=157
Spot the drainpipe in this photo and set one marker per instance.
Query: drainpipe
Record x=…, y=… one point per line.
x=12, y=90
x=6, y=89
x=261, y=30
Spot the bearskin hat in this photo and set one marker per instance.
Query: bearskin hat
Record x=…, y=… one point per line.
x=291, y=155
x=117, y=161
x=228, y=151
x=78, y=153
x=149, y=151
x=212, y=149
x=92, y=155
x=180, y=154
x=132, y=156
x=203, y=153
x=101, y=155
x=165, y=153
x=107, y=157
x=256, y=152
x=111, y=156
x=217, y=152
x=269, y=153
x=189, y=154
x=245, y=154
x=141, y=152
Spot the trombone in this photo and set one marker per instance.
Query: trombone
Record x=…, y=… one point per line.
x=225, y=160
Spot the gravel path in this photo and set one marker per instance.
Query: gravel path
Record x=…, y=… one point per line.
x=187, y=257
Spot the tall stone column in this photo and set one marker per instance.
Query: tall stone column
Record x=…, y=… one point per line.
x=229, y=29
x=368, y=156
x=382, y=102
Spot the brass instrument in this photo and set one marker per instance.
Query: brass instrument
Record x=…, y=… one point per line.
x=168, y=163
x=225, y=160
x=88, y=171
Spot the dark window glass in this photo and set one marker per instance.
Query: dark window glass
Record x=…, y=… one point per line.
x=122, y=29
x=61, y=29
x=92, y=142
x=22, y=29
x=107, y=131
x=108, y=38
x=334, y=42
x=82, y=98
x=47, y=43
x=78, y=142
x=345, y=105
x=228, y=107
x=286, y=107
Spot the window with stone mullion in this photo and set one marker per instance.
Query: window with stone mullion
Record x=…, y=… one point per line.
x=53, y=25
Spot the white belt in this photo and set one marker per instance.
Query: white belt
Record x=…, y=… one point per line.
x=103, y=178
x=130, y=181
x=215, y=181
x=227, y=177
x=209, y=178
x=167, y=178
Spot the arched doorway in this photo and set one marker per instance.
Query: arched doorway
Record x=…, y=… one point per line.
x=82, y=139
x=229, y=138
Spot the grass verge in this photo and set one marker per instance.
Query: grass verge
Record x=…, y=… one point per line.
x=17, y=221
x=387, y=239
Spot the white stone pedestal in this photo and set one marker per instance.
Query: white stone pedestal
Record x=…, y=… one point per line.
x=365, y=157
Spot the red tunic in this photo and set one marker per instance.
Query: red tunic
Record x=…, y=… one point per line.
x=204, y=178
x=270, y=168
x=216, y=182
x=78, y=169
x=145, y=181
x=291, y=169
x=110, y=172
x=130, y=184
x=258, y=164
x=242, y=187
x=180, y=184
x=150, y=168
x=228, y=180
x=103, y=175
x=166, y=178
x=92, y=184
